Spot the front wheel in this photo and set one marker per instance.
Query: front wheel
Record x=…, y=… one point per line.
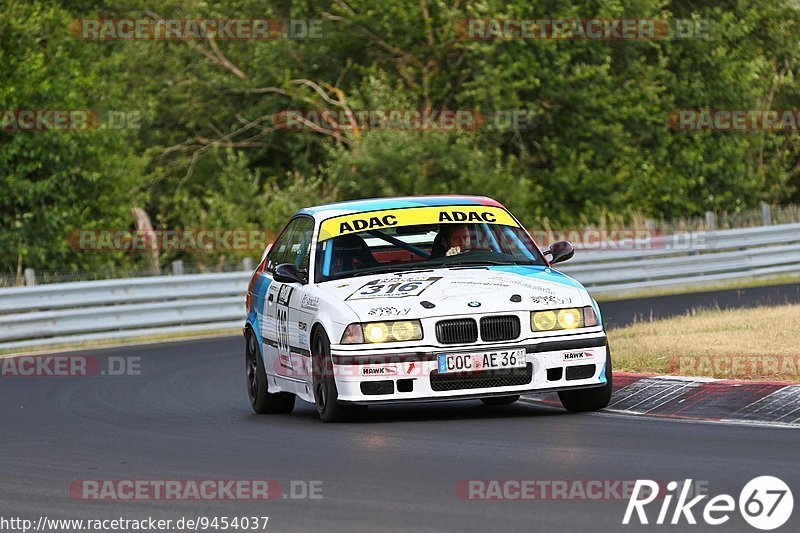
x=262, y=401
x=326, y=395
x=594, y=399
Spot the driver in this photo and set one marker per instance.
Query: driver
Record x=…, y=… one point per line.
x=451, y=240
x=459, y=240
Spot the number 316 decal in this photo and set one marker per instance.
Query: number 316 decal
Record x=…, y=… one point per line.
x=393, y=288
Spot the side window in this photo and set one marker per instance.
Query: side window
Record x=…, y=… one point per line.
x=301, y=244
x=293, y=246
x=278, y=253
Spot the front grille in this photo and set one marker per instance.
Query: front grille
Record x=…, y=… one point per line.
x=499, y=328
x=508, y=377
x=457, y=331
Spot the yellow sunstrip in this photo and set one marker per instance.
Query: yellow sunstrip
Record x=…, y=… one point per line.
x=412, y=216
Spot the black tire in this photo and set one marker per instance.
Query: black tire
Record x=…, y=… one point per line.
x=262, y=401
x=325, y=393
x=500, y=400
x=594, y=399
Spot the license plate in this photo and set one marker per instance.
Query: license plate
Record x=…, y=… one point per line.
x=471, y=362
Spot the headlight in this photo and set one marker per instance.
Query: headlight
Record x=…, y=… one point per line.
x=543, y=321
x=378, y=332
x=569, y=318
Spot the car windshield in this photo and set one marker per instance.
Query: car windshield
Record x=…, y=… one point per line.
x=423, y=246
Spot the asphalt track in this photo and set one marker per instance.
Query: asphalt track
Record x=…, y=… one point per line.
x=624, y=312
x=187, y=417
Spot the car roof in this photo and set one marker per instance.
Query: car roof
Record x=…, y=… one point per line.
x=322, y=212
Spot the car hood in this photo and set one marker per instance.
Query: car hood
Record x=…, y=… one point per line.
x=457, y=291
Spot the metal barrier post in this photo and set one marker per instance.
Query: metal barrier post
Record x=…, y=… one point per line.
x=30, y=277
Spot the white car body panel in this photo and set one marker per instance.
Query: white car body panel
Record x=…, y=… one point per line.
x=290, y=313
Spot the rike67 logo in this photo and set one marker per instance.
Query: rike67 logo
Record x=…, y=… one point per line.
x=765, y=503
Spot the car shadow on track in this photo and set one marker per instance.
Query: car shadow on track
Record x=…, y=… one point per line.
x=436, y=412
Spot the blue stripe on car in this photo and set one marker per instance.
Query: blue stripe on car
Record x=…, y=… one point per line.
x=357, y=206
x=538, y=272
x=326, y=264
x=257, y=303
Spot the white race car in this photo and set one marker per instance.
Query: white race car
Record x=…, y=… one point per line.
x=418, y=299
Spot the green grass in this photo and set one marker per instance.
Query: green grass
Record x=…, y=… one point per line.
x=760, y=343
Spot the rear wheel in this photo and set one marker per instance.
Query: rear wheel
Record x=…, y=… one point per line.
x=325, y=393
x=596, y=398
x=262, y=401
x=500, y=400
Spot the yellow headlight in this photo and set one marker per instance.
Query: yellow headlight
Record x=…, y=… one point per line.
x=544, y=320
x=570, y=318
x=376, y=331
x=401, y=330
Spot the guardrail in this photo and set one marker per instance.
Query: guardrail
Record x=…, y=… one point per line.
x=46, y=315
x=688, y=259
x=62, y=313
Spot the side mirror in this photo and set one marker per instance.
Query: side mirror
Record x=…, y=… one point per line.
x=288, y=273
x=560, y=251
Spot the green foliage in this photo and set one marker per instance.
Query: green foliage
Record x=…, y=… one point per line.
x=209, y=155
x=54, y=182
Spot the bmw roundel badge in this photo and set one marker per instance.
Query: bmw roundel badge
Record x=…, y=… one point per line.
x=474, y=304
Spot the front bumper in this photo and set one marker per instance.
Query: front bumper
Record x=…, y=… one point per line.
x=399, y=376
